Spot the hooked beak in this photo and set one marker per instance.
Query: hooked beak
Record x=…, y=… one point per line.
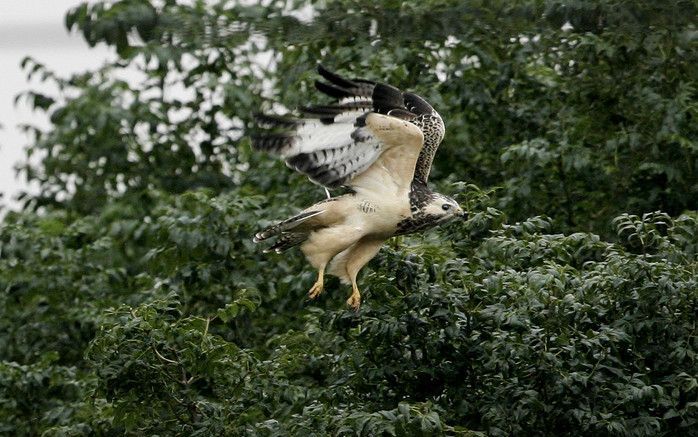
x=462, y=214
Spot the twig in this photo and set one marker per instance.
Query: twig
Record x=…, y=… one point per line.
x=163, y=358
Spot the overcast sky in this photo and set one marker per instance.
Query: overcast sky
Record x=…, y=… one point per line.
x=33, y=28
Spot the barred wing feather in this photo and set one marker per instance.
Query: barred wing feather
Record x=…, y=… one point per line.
x=371, y=138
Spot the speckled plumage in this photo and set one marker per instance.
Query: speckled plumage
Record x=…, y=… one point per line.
x=433, y=128
x=375, y=140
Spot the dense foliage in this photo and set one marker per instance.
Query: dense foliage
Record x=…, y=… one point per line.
x=133, y=301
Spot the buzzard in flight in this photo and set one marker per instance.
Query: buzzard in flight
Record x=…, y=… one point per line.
x=375, y=140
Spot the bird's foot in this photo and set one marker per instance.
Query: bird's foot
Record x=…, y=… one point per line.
x=316, y=290
x=354, y=301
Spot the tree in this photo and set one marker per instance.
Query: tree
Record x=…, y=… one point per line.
x=134, y=301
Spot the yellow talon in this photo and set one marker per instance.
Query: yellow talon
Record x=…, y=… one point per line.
x=316, y=290
x=354, y=300
x=319, y=284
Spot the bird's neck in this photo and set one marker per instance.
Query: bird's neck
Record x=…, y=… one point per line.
x=419, y=220
x=420, y=195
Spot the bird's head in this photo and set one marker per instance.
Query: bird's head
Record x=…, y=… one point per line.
x=436, y=210
x=443, y=208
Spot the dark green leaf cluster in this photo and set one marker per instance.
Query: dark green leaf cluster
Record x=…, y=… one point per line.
x=175, y=324
x=133, y=300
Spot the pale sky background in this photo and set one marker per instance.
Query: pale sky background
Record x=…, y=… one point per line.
x=33, y=28
x=36, y=28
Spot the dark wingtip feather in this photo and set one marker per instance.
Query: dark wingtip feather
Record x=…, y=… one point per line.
x=322, y=110
x=332, y=90
x=272, y=120
x=416, y=104
x=335, y=78
x=300, y=162
x=386, y=97
x=272, y=142
x=322, y=70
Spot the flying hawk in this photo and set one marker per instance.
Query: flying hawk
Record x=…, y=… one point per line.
x=375, y=140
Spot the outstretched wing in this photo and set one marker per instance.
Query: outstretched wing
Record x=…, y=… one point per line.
x=386, y=99
x=373, y=134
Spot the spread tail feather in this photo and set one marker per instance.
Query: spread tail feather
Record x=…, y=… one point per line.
x=287, y=241
x=285, y=226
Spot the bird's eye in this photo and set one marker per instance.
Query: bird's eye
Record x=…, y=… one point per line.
x=445, y=206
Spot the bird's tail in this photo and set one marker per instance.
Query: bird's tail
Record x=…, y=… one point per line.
x=289, y=230
x=287, y=241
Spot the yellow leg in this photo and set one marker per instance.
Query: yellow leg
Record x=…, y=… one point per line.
x=354, y=300
x=319, y=285
x=362, y=252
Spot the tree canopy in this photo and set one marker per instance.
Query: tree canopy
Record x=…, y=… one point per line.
x=133, y=300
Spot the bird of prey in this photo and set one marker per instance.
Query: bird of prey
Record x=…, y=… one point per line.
x=375, y=140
